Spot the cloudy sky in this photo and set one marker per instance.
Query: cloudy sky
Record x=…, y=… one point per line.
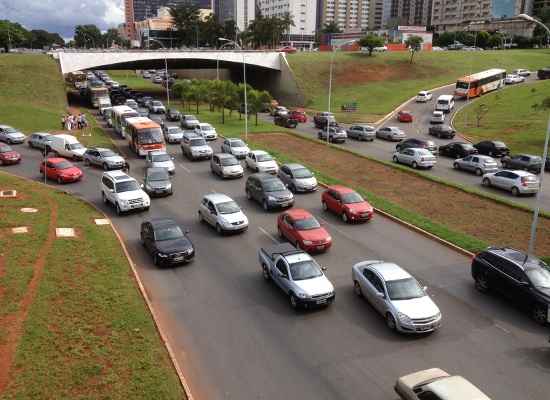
x=62, y=16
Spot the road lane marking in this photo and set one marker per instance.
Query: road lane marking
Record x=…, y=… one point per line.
x=502, y=328
x=185, y=168
x=269, y=235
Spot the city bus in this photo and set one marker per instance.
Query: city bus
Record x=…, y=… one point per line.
x=119, y=115
x=480, y=83
x=144, y=136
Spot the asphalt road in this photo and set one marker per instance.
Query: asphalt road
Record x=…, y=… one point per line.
x=236, y=336
x=383, y=150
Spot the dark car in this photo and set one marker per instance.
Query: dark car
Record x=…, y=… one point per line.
x=493, y=148
x=457, y=150
x=442, y=131
x=543, y=73
x=526, y=162
x=173, y=115
x=417, y=144
x=523, y=278
x=547, y=164
x=320, y=120
x=8, y=155
x=157, y=182
x=166, y=242
x=285, y=121
x=269, y=191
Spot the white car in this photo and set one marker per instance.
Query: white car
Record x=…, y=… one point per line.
x=521, y=72
x=173, y=134
x=66, y=146
x=438, y=117
x=512, y=79
x=261, y=161
x=156, y=107
x=11, y=135
x=416, y=158
x=515, y=181
x=123, y=192
x=160, y=159
x=207, y=131
x=221, y=212
x=397, y=296
x=423, y=96
x=236, y=147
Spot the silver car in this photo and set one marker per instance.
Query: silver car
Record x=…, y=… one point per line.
x=392, y=133
x=226, y=166
x=236, y=147
x=362, y=132
x=105, y=158
x=336, y=134
x=11, y=135
x=160, y=159
x=515, y=181
x=221, y=212
x=397, y=296
x=156, y=107
x=416, y=158
x=157, y=182
x=189, y=121
x=38, y=140
x=297, y=178
x=173, y=134
x=476, y=163
x=195, y=148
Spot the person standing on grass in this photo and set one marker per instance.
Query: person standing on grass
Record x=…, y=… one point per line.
x=63, y=122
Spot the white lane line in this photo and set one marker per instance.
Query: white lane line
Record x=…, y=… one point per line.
x=502, y=328
x=185, y=168
x=269, y=235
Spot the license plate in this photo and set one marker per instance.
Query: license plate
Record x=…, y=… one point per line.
x=135, y=205
x=323, y=301
x=320, y=247
x=284, y=204
x=178, y=258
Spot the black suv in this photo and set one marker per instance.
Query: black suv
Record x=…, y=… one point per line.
x=269, y=191
x=442, y=131
x=285, y=121
x=457, y=150
x=522, y=278
x=166, y=242
x=417, y=144
x=543, y=73
x=526, y=162
x=492, y=148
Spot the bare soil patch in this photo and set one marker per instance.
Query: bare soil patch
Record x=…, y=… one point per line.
x=460, y=211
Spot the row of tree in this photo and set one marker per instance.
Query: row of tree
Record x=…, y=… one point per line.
x=221, y=95
x=89, y=36
x=14, y=35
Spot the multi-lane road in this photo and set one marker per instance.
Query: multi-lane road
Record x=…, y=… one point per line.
x=236, y=337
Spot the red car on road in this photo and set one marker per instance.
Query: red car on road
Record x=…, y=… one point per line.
x=8, y=155
x=60, y=170
x=288, y=49
x=347, y=203
x=301, y=228
x=404, y=116
x=298, y=115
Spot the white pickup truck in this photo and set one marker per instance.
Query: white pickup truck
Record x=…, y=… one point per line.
x=297, y=274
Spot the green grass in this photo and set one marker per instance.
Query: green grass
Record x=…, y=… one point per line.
x=383, y=81
x=136, y=82
x=510, y=117
x=88, y=334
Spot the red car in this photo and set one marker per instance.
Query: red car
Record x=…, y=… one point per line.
x=298, y=115
x=288, y=49
x=8, y=155
x=404, y=116
x=61, y=170
x=347, y=203
x=301, y=228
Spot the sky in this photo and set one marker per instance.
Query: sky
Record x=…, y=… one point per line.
x=62, y=16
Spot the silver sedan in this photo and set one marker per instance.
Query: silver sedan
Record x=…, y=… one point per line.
x=392, y=133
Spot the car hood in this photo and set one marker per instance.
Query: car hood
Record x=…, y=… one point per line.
x=421, y=307
x=306, y=181
x=163, y=164
x=315, y=286
x=314, y=234
x=79, y=152
x=114, y=159
x=70, y=171
x=232, y=168
x=235, y=217
x=175, y=134
x=205, y=148
x=267, y=164
x=159, y=184
x=134, y=194
x=282, y=193
x=192, y=121
x=16, y=135
x=359, y=207
x=240, y=150
x=174, y=246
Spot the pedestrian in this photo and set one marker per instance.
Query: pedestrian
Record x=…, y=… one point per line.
x=63, y=122
x=84, y=121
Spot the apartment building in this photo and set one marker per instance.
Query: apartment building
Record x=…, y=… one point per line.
x=304, y=13
x=349, y=15
x=241, y=11
x=410, y=12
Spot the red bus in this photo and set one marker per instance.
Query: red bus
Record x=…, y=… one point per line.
x=480, y=83
x=144, y=136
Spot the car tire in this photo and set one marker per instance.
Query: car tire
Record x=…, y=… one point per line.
x=456, y=166
x=390, y=322
x=104, y=198
x=345, y=217
x=324, y=205
x=414, y=165
x=479, y=172
x=357, y=289
x=395, y=159
x=280, y=233
x=219, y=229
x=86, y=162
x=515, y=192
x=482, y=282
x=265, y=205
x=265, y=273
x=486, y=182
x=248, y=195
x=156, y=260
x=539, y=313
x=293, y=301
x=118, y=210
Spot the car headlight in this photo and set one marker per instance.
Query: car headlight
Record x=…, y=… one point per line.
x=124, y=202
x=329, y=239
x=308, y=242
x=161, y=255
x=271, y=198
x=404, y=318
x=302, y=295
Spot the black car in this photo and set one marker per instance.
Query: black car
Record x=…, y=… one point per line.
x=522, y=278
x=285, y=121
x=442, y=131
x=493, y=148
x=543, y=73
x=269, y=191
x=157, y=182
x=166, y=242
x=457, y=150
x=417, y=144
x=173, y=115
x=526, y=162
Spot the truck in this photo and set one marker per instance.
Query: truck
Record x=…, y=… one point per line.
x=297, y=274
x=95, y=95
x=321, y=119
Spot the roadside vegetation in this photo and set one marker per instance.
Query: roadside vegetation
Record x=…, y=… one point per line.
x=381, y=82
x=518, y=116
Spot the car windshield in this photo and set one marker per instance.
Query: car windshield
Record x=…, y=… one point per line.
x=350, y=198
x=127, y=186
x=264, y=157
x=467, y=146
x=539, y=277
x=75, y=146
x=174, y=130
x=160, y=175
x=404, y=289
x=462, y=85
x=198, y=142
x=108, y=153
x=302, y=173
x=150, y=136
x=306, y=224
x=273, y=185
x=228, y=207
x=160, y=157
x=304, y=270
x=172, y=232
x=206, y=128
x=157, y=103
x=5, y=149
x=237, y=143
x=228, y=161
x=10, y=130
x=63, y=165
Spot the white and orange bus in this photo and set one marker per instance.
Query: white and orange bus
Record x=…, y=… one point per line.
x=480, y=83
x=144, y=136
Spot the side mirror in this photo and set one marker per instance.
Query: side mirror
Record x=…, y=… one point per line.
x=425, y=288
x=324, y=268
x=284, y=276
x=381, y=295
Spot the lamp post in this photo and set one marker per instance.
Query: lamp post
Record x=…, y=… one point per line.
x=165, y=71
x=536, y=211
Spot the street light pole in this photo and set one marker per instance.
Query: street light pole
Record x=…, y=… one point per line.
x=330, y=92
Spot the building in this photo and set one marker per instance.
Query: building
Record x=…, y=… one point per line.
x=379, y=14
x=538, y=5
x=410, y=12
x=349, y=15
x=241, y=11
x=304, y=13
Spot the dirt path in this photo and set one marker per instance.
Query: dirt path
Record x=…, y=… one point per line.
x=14, y=323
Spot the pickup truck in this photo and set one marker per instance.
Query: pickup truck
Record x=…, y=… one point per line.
x=297, y=274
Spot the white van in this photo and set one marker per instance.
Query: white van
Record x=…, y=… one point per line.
x=445, y=103
x=66, y=146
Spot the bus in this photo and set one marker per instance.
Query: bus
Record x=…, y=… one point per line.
x=480, y=83
x=119, y=116
x=144, y=136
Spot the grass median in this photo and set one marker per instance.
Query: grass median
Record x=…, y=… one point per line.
x=72, y=321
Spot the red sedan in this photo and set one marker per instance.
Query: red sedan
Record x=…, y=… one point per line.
x=288, y=49
x=404, y=116
x=347, y=203
x=60, y=170
x=301, y=228
x=8, y=155
x=298, y=115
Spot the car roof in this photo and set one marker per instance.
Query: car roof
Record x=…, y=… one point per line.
x=263, y=176
x=389, y=271
x=258, y=152
x=294, y=166
x=217, y=198
x=340, y=189
x=225, y=155
x=160, y=222
x=155, y=169
x=521, y=259
x=455, y=388
x=41, y=133
x=118, y=175
x=298, y=213
x=99, y=148
x=157, y=152
x=519, y=172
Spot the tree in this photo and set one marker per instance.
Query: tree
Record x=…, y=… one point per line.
x=331, y=27
x=371, y=41
x=112, y=37
x=482, y=39
x=40, y=39
x=87, y=36
x=495, y=40
x=480, y=112
x=210, y=30
x=256, y=100
x=414, y=43
x=12, y=35
x=182, y=90
x=186, y=20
